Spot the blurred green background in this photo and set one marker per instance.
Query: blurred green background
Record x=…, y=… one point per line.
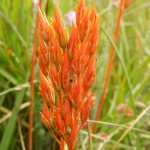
x=17, y=27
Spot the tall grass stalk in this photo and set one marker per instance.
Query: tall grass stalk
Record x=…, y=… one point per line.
x=33, y=61
x=112, y=53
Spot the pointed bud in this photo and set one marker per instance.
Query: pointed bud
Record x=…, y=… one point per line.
x=66, y=112
x=90, y=74
x=59, y=122
x=43, y=25
x=65, y=71
x=79, y=11
x=43, y=52
x=58, y=26
x=45, y=116
x=86, y=108
x=55, y=76
x=47, y=90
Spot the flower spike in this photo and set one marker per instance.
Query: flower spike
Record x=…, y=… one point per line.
x=67, y=72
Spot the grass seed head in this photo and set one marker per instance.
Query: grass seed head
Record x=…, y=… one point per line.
x=67, y=72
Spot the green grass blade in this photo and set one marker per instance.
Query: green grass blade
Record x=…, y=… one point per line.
x=2, y=97
x=123, y=65
x=8, y=76
x=11, y=124
x=17, y=88
x=13, y=27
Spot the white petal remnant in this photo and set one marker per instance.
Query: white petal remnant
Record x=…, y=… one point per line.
x=70, y=17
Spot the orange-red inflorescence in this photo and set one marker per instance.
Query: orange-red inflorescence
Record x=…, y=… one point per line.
x=67, y=72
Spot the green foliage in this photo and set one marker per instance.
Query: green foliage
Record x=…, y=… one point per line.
x=129, y=82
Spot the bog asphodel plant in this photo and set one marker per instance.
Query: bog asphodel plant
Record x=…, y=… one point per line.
x=67, y=72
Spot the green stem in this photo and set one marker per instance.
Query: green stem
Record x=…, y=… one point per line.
x=124, y=67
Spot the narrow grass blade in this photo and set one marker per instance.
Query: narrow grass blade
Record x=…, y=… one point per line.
x=123, y=66
x=8, y=76
x=2, y=98
x=17, y=88
x=11, y=124
x=13, y=27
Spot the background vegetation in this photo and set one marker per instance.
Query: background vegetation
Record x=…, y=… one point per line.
x=17, y=27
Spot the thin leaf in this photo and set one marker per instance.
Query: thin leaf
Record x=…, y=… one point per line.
x=8, y=133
